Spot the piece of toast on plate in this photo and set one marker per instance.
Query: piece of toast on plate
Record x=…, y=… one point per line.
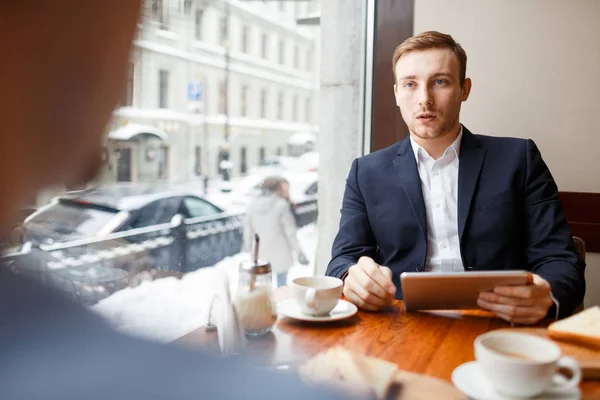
x=582, y=328
x=351, y=372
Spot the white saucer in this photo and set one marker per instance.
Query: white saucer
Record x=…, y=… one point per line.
x=343, y=309
x=469, y=379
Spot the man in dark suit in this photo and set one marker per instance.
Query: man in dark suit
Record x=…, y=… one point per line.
x=447, y=200
x=63, y=71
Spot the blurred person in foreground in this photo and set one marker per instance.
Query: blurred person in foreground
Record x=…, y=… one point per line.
x=270, y=216
x=63, y=72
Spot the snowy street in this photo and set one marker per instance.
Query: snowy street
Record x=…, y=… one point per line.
x=168, y=308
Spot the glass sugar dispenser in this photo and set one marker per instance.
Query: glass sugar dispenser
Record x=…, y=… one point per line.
x=254, y=302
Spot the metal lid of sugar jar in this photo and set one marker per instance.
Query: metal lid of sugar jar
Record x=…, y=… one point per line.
x=258, y=267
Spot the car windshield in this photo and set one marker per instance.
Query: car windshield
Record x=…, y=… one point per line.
x=71, y=219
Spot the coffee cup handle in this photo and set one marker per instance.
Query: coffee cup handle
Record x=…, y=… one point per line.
x=310, y=298
x=571, y=364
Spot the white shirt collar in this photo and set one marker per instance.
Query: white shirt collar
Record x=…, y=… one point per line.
x=420, y=152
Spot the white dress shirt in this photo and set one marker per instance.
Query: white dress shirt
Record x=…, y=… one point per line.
x=439, y=184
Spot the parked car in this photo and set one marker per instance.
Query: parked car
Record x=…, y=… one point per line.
x=115, y=208
x=138, y=212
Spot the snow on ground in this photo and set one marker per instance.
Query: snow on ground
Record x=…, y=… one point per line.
x=168, y=308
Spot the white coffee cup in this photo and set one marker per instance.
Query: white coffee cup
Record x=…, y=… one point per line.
x=317, y=295
x=524, y=365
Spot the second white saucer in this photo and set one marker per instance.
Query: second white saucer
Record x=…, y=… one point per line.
x=469, y=379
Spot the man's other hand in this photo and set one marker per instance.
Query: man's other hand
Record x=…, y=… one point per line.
x=369, y=285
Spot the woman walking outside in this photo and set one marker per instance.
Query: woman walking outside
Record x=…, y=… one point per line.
x=270, y=216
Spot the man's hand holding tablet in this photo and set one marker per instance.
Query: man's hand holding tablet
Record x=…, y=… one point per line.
x=520, y=304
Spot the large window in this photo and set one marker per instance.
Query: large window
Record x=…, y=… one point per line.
x=213, y=102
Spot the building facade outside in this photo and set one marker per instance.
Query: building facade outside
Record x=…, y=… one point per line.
x=214, y=79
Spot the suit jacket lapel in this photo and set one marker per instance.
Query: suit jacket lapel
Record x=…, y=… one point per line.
x=406, y=167
x=471, y=160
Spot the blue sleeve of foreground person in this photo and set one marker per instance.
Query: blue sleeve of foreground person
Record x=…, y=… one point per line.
x=54, y=350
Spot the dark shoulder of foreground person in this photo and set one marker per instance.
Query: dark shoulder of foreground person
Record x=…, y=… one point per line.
x=54, y=349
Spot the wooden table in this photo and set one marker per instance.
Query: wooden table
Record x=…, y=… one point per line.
x=430, y=343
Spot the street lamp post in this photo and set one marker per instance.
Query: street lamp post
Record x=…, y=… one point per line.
x=224, y=156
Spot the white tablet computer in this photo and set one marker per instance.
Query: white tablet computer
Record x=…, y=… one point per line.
x=454, y=290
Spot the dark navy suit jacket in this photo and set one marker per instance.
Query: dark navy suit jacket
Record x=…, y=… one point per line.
x=509, y=215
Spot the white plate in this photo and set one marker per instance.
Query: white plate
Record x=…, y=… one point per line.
x=343, y=309
x=469, y=379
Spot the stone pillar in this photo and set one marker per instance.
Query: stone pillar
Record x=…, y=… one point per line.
x=341, y=104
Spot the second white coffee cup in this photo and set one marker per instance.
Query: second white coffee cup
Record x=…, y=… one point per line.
x=317, y=295
x=524, y=365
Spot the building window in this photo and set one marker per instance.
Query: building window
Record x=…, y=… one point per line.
x=296, y=57
x=245, y=35
x=279, y=151
x=265, y=46
x=244, y=101
x=263, y=104
x=295, y=108
x=163, y=162
x=297, y=9
x=307, y=112
x=198, y=163
x=163, y=96
x=313, y=6
x=281, y=6
x=222, y=98
x=261, y=154
x=223, y=30
x=281, y=52
x=280, y=106
x=160, y=14
x=243, y=160
x=308, y=60
x=198, y=24
x=127, y=98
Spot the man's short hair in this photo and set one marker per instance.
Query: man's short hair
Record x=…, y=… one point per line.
x=431, y=40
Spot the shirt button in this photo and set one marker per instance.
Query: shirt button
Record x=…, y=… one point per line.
x=438, y=205
x=436, y=173
x=444, y=245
